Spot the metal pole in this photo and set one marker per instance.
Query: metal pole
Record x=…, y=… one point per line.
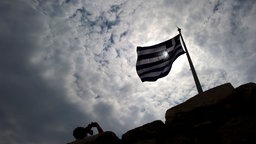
x=198, y=85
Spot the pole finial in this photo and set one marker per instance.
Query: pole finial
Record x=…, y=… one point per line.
x=179, y=29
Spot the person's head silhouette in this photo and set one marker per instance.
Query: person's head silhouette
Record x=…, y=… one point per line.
x=80, y=132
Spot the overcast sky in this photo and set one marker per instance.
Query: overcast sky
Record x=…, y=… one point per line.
x=65, y=63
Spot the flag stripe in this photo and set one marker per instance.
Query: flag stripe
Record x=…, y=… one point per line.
x=153, y=72
x=140, y=50
x=153, y=63
x=161, y=65
x=157, y=75
x=138, y=67
x=149, y=60
x=143, y=70
x=151, y=55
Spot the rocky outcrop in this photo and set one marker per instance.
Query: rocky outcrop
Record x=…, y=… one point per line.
x=211, y=122
x=222, y=115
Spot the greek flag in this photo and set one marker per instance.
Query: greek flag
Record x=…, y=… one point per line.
x=155, y=61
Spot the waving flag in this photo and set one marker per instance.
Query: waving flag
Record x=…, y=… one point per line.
x=155, y=61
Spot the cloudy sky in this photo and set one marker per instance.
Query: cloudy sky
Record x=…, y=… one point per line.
x=65, y=63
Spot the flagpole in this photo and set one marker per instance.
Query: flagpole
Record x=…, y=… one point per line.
x=198, y=85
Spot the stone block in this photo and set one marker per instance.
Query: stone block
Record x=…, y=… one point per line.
x=151, y=132
x=207, y=98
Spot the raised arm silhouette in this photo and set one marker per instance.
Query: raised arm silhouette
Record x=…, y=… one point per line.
x=81, y=132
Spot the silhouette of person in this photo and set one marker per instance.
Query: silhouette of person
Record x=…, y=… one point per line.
x=81, y=132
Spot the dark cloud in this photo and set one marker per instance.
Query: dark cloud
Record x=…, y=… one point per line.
x=33, y=110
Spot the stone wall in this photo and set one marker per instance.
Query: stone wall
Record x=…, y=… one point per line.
x=222, y=115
